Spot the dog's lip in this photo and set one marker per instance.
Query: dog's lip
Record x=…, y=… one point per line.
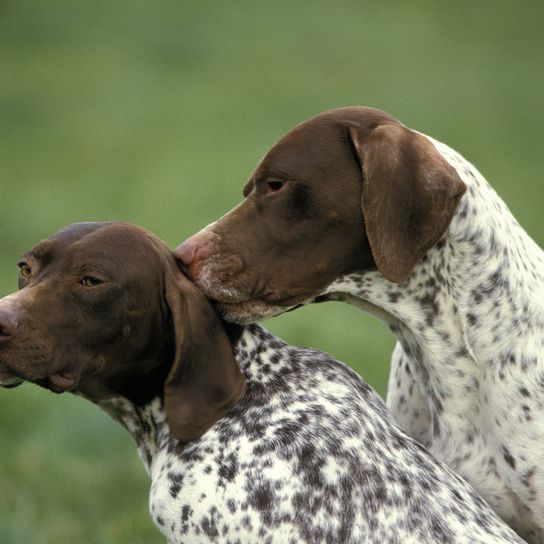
x=59, y=382
x=63, y=380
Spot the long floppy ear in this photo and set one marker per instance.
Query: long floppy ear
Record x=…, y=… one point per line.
x=205, y=381
x=410, y=194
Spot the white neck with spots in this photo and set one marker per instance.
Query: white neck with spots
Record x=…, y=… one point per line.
x=456, y=315
x=146, y=424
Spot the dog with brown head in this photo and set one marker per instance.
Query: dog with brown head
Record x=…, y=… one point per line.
x=351, y=189
x=103, y=310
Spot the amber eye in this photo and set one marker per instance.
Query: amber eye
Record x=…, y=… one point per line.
x=24, y=270
x=274, y=186
x=90, y=281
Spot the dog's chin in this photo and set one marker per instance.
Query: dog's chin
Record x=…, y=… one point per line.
x=248, y=311
x=8, y=380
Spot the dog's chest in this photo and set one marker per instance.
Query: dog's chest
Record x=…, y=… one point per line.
x=223, y=493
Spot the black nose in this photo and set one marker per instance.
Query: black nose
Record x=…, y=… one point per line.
x=8, y=325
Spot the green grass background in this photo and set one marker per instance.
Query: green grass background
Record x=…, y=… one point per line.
x=156, y=112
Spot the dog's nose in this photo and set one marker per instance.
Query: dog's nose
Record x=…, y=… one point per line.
x=185, y=252
x=8, y=325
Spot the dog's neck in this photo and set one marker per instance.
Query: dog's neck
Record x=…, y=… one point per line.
x=145, y=423
x=146, y=420
x=456, y=315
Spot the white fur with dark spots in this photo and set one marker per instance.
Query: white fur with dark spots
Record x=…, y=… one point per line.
x=310, y=455
x=467, y=376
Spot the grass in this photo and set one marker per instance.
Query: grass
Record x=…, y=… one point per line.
x=156, y=112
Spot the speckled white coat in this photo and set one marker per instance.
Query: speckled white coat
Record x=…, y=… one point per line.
x=310, y=455
x=467, y=376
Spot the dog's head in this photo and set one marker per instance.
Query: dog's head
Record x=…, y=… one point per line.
x=351, y=189
x=104, y=310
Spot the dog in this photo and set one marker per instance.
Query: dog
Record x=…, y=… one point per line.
x=352, y=205
x=247, y=440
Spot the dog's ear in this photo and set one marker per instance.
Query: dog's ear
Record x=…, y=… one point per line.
x=205, y=381
x=409, y=196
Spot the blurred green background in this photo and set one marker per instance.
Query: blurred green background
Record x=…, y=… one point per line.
x=156, y=112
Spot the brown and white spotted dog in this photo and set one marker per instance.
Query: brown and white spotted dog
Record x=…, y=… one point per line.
x=308, y=454
x=352, y=205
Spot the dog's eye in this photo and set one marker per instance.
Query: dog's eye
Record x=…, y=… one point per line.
x=274, y=186
x=90, y=281
x=24, y=270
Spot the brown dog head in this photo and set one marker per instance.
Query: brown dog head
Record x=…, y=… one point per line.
x=104, y=310
x=351, y=189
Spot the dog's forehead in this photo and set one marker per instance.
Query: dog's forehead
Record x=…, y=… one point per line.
x=319, y=143
x=357, y=114
x=339, y=119
x=60, y=241
x=301, y=150
x=94, y=241
x=75, y=232
x=40, y=251
x=129, y=246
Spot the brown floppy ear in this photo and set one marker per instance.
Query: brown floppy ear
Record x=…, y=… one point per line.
x=205, y=381
x=410, y=194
